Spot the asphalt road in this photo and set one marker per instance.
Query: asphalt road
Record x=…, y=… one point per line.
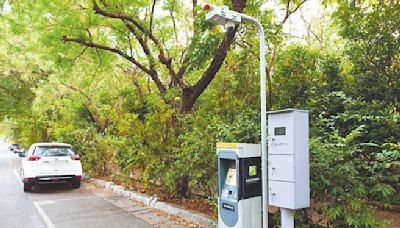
x=60, y=206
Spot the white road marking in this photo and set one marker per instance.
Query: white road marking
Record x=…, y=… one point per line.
x=45, y=202
x=18, y=177
x=43, y=215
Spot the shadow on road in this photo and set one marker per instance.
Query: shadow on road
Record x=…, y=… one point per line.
x=52, y=188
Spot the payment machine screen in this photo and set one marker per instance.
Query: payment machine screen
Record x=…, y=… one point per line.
x=229, y=180
x=280, y=131
x=231, y=177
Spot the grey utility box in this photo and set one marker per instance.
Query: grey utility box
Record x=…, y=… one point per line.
x=239, y=185
x=288, y=159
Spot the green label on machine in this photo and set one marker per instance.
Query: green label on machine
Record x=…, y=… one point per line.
x=252, y=170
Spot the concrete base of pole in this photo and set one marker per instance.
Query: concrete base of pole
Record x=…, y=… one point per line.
x=287, y=218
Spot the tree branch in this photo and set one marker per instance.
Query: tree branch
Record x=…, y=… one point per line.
x=287, y=14
x=290, y=12
x=130, y=44
x=161, y=56
x=98, y=10
x=146, y=50
x=94, y=120
x=190, y=94
x=153, y=74
x=143, y=44
x=183, y=68
x=215, y=65
x=174, y=24
x=80, y=54
x=88, y=98
x=41, y=73
x=194, y=13
x=151, y=16
x=298, y=6
x=106, y=48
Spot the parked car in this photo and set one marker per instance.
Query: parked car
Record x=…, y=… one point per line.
x=14, y=147
x=47, y=163
x=21, y=152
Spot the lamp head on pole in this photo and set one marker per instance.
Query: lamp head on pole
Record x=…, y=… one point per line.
x=222, y=16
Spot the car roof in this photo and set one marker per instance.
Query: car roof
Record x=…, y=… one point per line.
x=51, y=144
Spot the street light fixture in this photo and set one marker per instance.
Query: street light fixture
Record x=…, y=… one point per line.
x=222, y=16
x=229, y=19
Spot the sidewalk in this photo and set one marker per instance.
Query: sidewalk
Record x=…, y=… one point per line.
x=178, y=215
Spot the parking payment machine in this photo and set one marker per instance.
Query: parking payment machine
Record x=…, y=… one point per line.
x=239, y=185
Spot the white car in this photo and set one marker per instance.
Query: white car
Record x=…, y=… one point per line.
x=51, y=163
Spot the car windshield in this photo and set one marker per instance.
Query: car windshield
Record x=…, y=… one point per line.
x=47, y=151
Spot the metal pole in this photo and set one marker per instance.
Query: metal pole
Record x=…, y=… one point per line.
x=287, y=218
x=263, y=96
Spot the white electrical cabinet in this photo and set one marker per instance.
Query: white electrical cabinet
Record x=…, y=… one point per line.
x=288, y=159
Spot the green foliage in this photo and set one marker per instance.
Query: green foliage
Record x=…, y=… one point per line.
x=373, y=47
x=345, y=180
x=122, y=126
x=296, y=76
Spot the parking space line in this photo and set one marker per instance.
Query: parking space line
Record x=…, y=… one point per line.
x=44, y=202
x=43, y=215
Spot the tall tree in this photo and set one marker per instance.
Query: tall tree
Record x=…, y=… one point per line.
x=167, y=41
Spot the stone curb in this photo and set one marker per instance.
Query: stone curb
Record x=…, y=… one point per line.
x=152, y=202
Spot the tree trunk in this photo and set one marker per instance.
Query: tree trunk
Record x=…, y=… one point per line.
x=187, y=100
